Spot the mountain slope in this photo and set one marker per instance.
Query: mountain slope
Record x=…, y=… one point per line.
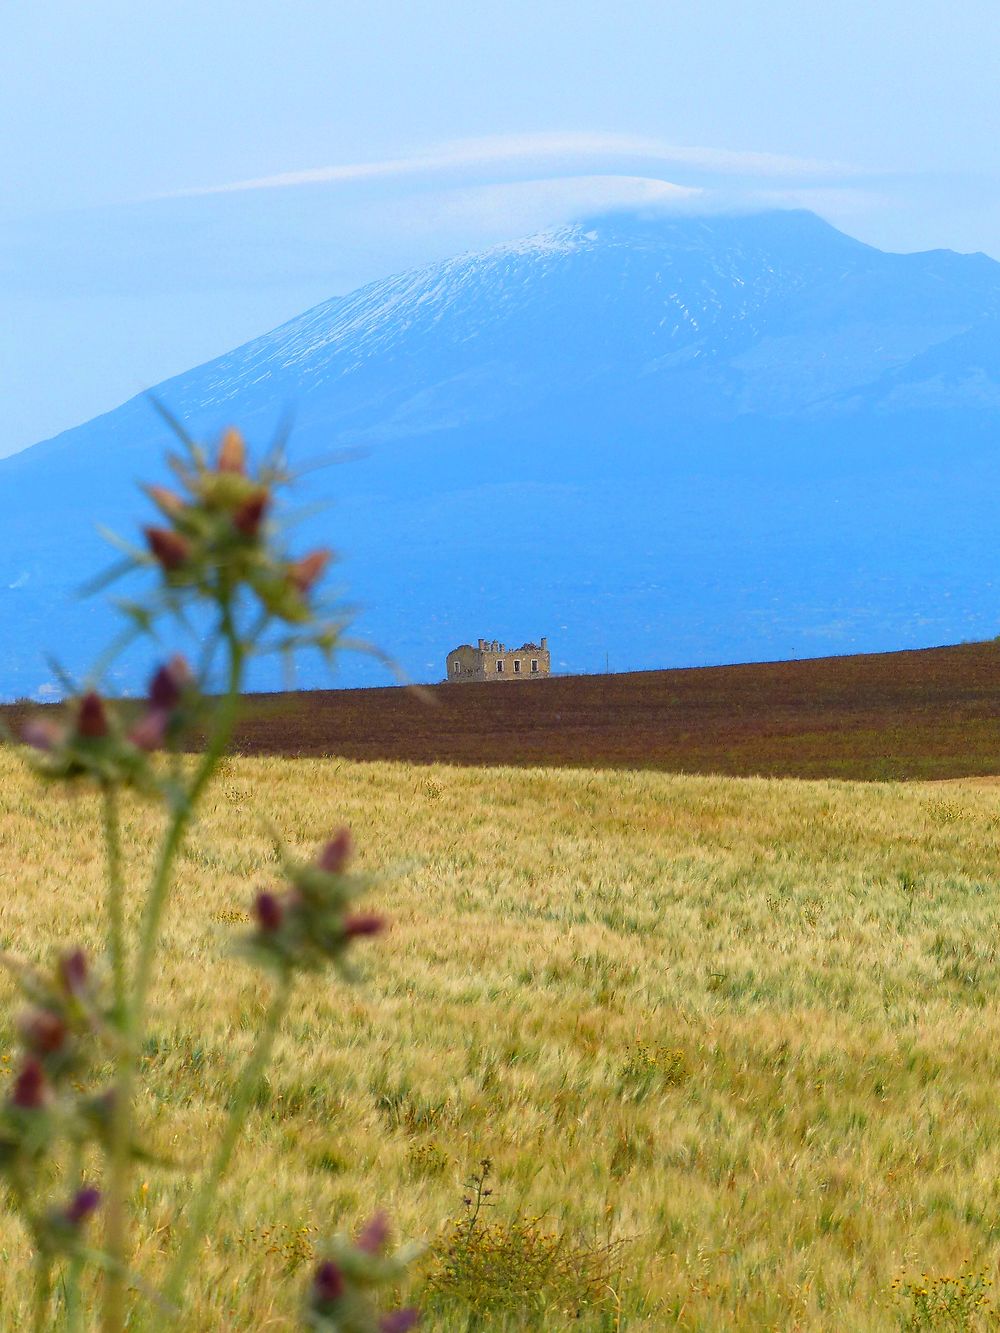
x=671, y=440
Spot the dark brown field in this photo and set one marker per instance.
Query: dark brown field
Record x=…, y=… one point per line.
x=928, y=714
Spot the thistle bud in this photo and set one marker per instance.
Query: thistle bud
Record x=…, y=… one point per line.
x=399, y=1321
x=249, y=516
x=42, y=1031
x=305, y=572
x=168, y=684
x=270, y=912
x=74, y=972
x=41, y=733
x=232, y=452
x=363, y=924
x=328, y=1284
x=374, y=1234
x=170, y=549
x=167, y=502
x=30, y=1091
x=337, y=852
x=150, y=731
x=84, y=1202
x=92, y=719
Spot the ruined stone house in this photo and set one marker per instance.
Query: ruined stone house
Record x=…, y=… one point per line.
x=493, y=660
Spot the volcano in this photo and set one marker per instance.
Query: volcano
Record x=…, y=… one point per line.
x=656, y=440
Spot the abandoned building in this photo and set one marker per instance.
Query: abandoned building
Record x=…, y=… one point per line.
x=495, y=661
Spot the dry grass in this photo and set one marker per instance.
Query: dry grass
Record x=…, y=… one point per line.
x=749, y=1027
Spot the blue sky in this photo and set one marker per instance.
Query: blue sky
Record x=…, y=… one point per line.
x=176, y=178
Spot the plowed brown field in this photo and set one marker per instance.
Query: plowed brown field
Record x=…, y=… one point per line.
x=928, y=714
x=933, y=713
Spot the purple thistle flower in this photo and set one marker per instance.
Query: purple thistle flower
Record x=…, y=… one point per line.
x=73, y=971
x=363, y=923
x=92, y=720
x=250, y=515
x=170, y=549
x=399, y=1321
x=168, y=684
x=42, y=1031
x=337, y=852
x=270, y=911
x=30, y=1091
x=167, y=501
x=84, y=1202
x=150, y=731
x=328, y=1283
x=41, y=733
x=305, y=572
x=232, y=453
x=374, y=1234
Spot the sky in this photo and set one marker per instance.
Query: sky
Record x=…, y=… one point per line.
x=176, y=178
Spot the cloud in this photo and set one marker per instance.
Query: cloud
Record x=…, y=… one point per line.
x=526, y=150
x=447, y=219
x=513, y=207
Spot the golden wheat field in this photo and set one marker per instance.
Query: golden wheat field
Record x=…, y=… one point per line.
x=730, y=1046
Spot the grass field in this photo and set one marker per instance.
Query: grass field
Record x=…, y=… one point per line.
x=747, y=1028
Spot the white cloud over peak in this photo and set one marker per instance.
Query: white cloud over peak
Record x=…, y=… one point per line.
x=556, y=150
x=445, y=220
x=516, y=206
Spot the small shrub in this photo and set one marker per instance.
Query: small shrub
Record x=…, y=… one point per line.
x=946, y=812
x=426, y=1159
x=646, y=1068
x=290, y=1246
x=518, y=1269
x=962, y=1303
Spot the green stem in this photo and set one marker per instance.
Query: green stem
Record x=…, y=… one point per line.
x=115, y=1217
x=181, y=818
x=133, y=1015
x=116, y=911
x=119, y=1155
x=43, y=1292
x=245, y=1090
x=74, y=1269
x=74, y=1311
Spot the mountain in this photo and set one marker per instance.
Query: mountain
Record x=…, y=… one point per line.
x=657, y=440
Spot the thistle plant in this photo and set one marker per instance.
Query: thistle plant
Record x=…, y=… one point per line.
x=69, y=1141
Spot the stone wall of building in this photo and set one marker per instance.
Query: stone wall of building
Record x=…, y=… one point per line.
x=492, y=660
